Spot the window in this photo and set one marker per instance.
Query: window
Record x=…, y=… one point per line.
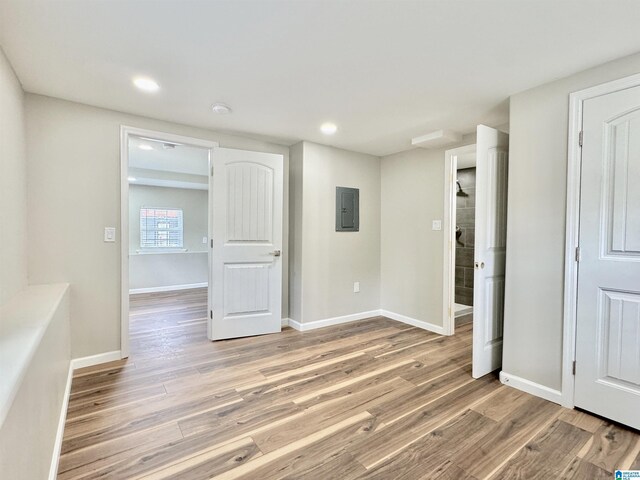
x=161, y=228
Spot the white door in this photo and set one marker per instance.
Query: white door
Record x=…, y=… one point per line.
x=608, y=316
x=247, y=243
x=492, y=151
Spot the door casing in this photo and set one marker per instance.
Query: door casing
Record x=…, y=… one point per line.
x=574, y=165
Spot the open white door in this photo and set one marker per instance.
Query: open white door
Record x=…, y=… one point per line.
x=492, y=149
x=247, y=243
x=608, y=316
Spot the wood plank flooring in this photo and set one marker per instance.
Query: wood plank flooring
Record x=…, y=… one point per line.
x=373, y=399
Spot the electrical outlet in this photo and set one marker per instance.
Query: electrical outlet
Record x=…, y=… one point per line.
x=356, y=287
x=436, y=225
x=109, y=234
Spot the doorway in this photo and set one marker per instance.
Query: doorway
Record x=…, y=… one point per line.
x=475, y=244
x=166, y=208
x=464, y=228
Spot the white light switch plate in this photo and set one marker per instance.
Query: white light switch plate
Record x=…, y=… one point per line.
x=204, y=240
x=356, y=287
x=436, y=225
x=109, y=234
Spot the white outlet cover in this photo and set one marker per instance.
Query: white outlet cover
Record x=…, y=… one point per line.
x=109, y=234
x=436, y=225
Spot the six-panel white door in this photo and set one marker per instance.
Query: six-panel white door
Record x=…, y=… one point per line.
x=492, y=151
x=608, y=316
x=247, y=243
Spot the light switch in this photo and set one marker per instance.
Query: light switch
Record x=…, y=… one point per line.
x=109, y=234
x=436, y=225
x=356, y=287
x=204, y=240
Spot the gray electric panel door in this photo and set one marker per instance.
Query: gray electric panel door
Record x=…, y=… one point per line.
x=347, y=209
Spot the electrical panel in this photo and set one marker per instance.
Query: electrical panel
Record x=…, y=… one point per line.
x=347, y=209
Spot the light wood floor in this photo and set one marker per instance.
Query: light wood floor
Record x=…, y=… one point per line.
x=374, y=399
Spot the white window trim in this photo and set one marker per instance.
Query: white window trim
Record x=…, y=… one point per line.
x=159, y=250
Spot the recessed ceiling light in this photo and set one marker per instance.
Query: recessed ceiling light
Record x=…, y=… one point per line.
x=144, y=146
x=328, y=128
x=146, y=84
x=221, y=108
x=131, y=179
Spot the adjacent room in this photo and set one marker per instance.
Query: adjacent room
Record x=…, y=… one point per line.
x=168, y=242
x=273, y=239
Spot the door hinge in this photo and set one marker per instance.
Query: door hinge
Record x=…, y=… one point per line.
x=211, y=315
x=212, y=243
x=212, y=167
x=573, y=368
x=578, y=257
x=580, y=138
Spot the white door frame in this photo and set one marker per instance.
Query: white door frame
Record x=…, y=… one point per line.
x=449, y=266
x=125, y=133
x=574, y=164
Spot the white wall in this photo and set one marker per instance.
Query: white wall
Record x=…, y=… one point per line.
x=166, y=269
x=28, y=433
x=412, y=196
x=536, y=223
x=411, y=252
x=13, y=186
x=332, y=261
x=74, y=192
x=296, y=159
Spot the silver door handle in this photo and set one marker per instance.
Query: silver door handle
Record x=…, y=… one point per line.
x=275, y=253
x=479, y=265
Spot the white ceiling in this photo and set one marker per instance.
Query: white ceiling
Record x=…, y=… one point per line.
x=383, y=71
x=181, y=159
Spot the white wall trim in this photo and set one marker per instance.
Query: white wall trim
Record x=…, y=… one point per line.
x=303, y=327
x=414, y=322
x=125, y=133
x=533, y=388
x=92, y=360
x=574, y=161
x=285, y=322
x=296, y=325
x=57, y=446
x=167, y=288
x=449, y=221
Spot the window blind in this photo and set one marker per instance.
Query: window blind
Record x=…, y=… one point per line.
x=161, y=228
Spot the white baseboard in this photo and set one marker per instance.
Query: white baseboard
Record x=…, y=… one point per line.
x=533, y=388
x=414, y=322
x=168, y=288
x=303, y=327
x=95, y=359
x=296, y=325
x=57, y=446
x=285, y=322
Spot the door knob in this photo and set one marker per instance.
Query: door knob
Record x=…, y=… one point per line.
x=479, y=265
x=275, y=253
